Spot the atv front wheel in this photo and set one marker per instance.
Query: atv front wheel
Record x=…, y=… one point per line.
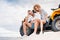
x=56, y=24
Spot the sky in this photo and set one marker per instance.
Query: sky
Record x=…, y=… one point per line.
x=12, y=12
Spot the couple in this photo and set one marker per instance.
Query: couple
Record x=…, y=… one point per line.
x=38, y=17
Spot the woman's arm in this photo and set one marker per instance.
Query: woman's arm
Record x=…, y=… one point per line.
x=45, y=13
x=46, y=16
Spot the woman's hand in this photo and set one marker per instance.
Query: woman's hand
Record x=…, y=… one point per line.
x=46, y=16
x=32, y=21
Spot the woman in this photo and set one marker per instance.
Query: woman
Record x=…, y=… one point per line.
x=40, y=17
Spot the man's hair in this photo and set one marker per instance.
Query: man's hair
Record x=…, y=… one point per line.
x=29, y=10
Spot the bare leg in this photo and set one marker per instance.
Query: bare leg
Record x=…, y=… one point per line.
x=36, y=23
x=41, y=25
x=24, y=28
x=25, y=25
x=36, y=26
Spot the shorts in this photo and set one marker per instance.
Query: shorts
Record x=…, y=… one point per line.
x=32, y=27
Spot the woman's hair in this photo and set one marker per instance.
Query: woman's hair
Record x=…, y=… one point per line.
x=36, y=5
x=33, y=11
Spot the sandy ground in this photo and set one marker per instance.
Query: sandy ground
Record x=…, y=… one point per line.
x=48, y=35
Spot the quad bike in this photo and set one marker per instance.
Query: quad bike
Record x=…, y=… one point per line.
x=55, y=19
x=53, y=22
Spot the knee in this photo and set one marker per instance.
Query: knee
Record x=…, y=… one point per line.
x=24, y=23
x=36, y=20
x=43, y=21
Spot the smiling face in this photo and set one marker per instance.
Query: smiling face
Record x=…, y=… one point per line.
x=37, y=7
x=30, y=12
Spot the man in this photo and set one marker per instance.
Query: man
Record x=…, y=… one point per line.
x=28, y=22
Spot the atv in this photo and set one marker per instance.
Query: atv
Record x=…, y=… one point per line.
x=55, y=19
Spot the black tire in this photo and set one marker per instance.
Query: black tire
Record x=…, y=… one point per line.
x=21, y=31
x=29, y=31
x=54, y=22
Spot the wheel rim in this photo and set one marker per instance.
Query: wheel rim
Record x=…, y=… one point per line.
x=57, y=24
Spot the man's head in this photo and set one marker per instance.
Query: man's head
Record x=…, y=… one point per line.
x=30, y=12
x=37, y=7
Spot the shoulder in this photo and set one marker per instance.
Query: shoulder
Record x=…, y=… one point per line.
x=43, y=11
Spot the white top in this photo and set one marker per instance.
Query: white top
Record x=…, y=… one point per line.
x=41, y=15
x=30, y=18
x=37, y=15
